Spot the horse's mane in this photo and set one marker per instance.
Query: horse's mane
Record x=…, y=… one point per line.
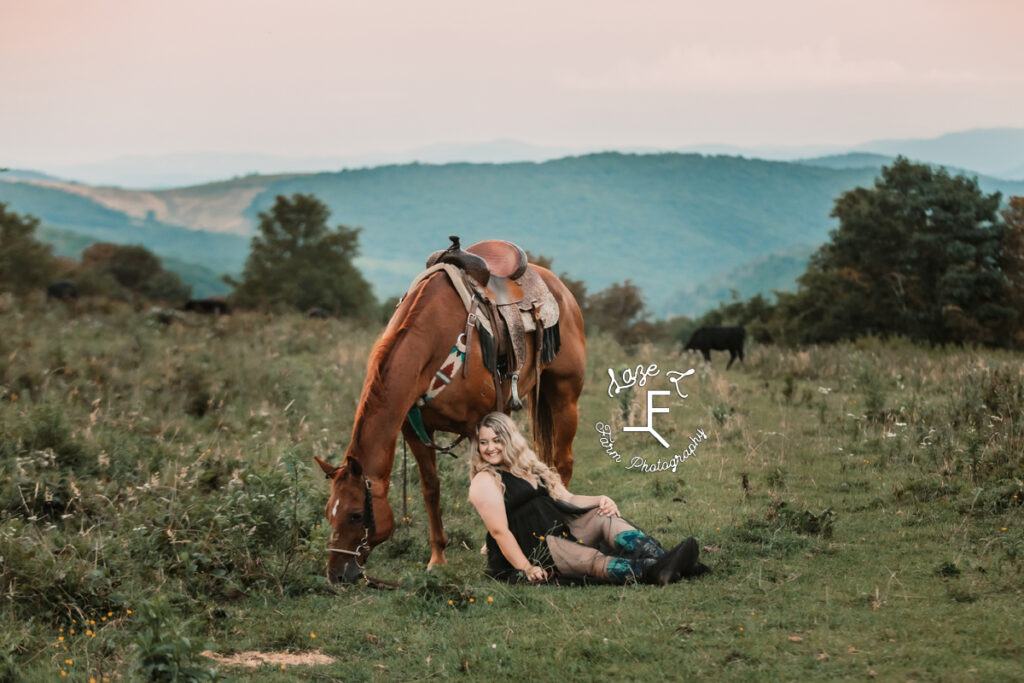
x=372, y=397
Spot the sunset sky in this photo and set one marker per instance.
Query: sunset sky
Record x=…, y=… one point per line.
x=90, y=81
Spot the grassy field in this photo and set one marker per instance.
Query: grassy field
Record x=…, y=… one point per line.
x=859, y=506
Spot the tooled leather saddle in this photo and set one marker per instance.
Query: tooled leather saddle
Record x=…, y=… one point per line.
x=506, y=291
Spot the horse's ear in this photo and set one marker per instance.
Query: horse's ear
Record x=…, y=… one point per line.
x=327, y=467
x=354, y=466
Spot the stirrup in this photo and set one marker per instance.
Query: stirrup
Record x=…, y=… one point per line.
x=515, y=403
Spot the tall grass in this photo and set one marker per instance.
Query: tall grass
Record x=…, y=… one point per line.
x=859, y=505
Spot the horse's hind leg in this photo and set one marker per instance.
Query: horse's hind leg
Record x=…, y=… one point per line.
x=426, y=459
x=558, y=415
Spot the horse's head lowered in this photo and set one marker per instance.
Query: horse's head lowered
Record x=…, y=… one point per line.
x=360, y=519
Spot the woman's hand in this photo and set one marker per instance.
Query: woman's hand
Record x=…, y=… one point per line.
x=535, y=574
x=607, y=507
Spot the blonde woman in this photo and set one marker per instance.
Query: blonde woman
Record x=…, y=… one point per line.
x=537, y=527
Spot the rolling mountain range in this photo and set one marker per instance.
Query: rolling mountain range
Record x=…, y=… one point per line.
x=688, y=229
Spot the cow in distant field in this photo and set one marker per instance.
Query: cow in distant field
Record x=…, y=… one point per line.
x=62, y=290
x=209, y=306
x=317, y=312
x=728, y=339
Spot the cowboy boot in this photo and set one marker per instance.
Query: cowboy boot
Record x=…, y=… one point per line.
x=700, y=570
x=636, y=544
x=624, y=570
x=690, y=563
x=676, y=563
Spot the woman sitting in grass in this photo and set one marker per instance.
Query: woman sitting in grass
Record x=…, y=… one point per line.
x=537, y=527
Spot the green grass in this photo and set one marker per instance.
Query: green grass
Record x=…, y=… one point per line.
x=167, y=471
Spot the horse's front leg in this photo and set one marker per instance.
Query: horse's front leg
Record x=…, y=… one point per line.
x=426, y=459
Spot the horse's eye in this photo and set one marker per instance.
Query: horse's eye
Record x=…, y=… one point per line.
x=356, y=516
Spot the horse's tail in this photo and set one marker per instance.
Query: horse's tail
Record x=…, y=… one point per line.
x=543, y=420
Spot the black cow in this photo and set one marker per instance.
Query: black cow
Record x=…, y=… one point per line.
x=720, y=339
x=62, y=290
x=208, y=306
x=317, y=312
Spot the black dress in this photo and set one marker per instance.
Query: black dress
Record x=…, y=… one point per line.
x=532, y=515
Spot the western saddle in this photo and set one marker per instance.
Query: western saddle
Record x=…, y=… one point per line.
x=514, y=301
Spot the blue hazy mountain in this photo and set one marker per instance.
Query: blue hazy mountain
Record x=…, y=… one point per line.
x=687, y=228
x=997, y=152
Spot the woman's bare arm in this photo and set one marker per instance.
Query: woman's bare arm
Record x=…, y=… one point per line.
x=606, y=505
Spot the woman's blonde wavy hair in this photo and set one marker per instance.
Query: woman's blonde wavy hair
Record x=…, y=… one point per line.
x=521, y=460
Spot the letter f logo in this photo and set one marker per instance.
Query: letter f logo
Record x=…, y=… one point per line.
x=649, y=427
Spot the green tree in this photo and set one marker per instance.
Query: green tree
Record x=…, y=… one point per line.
x=620, y=310
x=1012, y=263
x=114, y=269
x=918, y=255
x=754, y=315
x=25, y=263
x=297, y=261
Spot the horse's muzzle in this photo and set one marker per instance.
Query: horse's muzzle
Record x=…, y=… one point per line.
x=350, y=572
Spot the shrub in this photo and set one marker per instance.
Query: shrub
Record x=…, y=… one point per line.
x=165, y=651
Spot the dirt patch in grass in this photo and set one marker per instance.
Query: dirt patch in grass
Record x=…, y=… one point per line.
x=254, y=659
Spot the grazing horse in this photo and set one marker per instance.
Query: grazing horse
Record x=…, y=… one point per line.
x=720, y=339
x=416, y=342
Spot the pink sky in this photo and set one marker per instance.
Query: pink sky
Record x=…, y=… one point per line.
x=89, y=81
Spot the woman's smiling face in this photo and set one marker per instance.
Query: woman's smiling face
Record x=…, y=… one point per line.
x=491, y=449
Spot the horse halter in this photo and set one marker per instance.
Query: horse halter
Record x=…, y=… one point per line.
x=369, y=525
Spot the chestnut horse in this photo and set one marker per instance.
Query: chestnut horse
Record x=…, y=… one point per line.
x=412, y=348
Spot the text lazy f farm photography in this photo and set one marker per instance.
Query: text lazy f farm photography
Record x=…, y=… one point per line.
x=572, y=342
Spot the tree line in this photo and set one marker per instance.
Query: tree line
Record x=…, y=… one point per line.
x=922, y=254
x=115, y=271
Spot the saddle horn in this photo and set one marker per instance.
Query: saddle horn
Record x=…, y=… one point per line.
x=473, y=265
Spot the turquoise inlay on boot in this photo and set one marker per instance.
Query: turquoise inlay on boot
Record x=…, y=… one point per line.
x=635, y=543
x=622, y=570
